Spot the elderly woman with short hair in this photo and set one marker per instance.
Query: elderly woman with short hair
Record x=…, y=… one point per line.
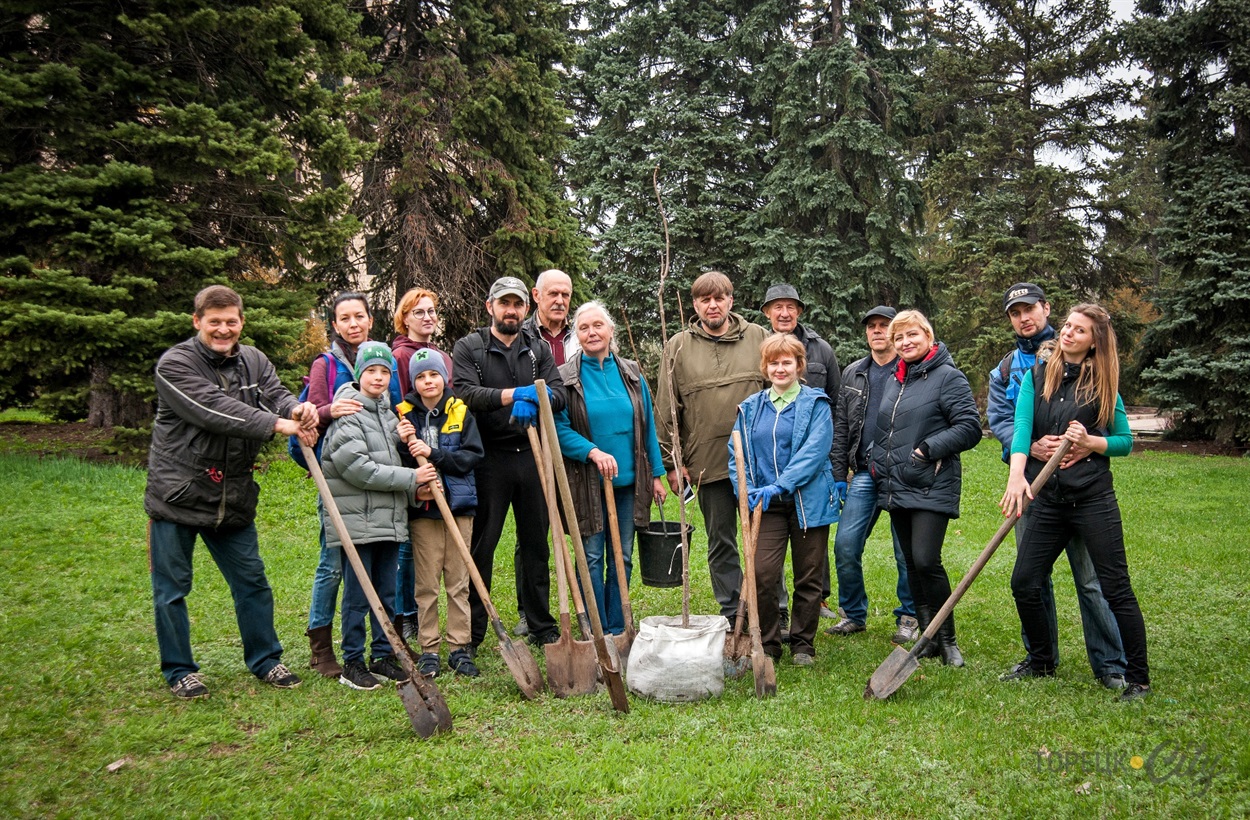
x=607, y=433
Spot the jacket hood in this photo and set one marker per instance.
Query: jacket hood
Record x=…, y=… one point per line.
x=938, y=356
x=351, y=390
x=737, y=327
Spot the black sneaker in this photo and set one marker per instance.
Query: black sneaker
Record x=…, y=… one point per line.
x=545, y=638
x=357, y=676
x=189, y=687
x=428, y=665
x=462, y=664
x=388, y=667
x=1134, y=691
x=1023, y=671
x=281, y=678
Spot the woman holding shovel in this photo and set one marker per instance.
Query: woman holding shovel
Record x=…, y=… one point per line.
x=607, y=433
x=788, y=430
x=1074, y=396
x=927, y=418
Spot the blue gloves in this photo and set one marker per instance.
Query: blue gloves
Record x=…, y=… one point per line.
x=524, y=413
x=529, y=393
x=839, y=494
x=763, y=496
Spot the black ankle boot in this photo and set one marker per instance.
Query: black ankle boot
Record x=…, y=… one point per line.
x=924, y=616
x=951, y=656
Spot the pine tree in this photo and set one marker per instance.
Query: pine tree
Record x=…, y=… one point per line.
x=145, y=153
x=838, y=208
x=463, y=187
x=1195, y=357
x=1023, y=102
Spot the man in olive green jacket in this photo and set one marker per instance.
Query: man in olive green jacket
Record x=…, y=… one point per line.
x=710, y=367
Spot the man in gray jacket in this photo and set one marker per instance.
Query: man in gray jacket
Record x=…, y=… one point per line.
x=218, y=402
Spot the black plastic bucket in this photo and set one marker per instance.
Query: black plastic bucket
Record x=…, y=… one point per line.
x=659, y=553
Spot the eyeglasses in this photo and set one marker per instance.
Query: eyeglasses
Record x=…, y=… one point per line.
x=421, y=313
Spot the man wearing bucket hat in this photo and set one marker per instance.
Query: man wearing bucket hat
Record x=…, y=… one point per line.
x=859, y=398
x=783, y=307
x=494, y=369
x=1027, y=309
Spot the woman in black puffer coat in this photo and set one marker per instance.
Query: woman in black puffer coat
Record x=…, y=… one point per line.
x=927, y=418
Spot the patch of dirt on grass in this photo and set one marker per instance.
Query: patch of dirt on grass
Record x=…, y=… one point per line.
x=69, y=439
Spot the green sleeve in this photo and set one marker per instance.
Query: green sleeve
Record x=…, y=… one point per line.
x=1120, y=438
x=1022, y=437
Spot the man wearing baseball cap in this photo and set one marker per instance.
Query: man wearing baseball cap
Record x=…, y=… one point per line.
x=1026, y=306
x=494, y=369
x=854, y=423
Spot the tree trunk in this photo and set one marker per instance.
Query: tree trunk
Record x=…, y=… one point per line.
x=109, y=407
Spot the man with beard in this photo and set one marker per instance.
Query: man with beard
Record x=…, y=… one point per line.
x=494, y=372
x=711, y=367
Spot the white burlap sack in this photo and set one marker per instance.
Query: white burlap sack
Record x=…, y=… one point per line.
x=677, y=665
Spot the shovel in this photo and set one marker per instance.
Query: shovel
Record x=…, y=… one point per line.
x=605, y=650
x=901, y=663
x=427, y=711
x=761, y=664
x=738, y=644
x=571, y=665
x=624, y=642
x=519, y=661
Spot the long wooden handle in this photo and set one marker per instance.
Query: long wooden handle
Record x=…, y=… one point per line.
x=553, y=515
x=613, y=526
x=1008, y=523
x=750, y=527
x=371, y=594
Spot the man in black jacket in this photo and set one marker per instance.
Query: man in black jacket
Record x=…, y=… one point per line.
x=218, y=402
x=494, y=370
x=863, y=382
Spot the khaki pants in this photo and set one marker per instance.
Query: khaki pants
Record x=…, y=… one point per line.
x=436, y=557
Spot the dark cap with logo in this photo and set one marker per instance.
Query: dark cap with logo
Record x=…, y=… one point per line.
x=509, y=285
x=884, y=311
x=1022, y=293
x=782, y=291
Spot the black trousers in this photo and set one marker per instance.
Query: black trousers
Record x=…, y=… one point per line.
x=1051, y=525
x=506, y=480
x=920, y=534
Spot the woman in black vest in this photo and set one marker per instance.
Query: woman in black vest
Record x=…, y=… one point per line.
x=926, y=419
x=1073, y=394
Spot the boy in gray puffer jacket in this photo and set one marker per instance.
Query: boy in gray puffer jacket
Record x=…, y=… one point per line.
x=372, y=489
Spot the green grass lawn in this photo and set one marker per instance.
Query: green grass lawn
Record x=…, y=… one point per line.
x=88, y=728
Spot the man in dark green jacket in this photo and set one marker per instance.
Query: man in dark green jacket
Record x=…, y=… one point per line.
x=218, y=402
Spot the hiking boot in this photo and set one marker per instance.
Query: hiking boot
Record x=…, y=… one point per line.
x=1114, y=681
x=428, y=664
x=845, y=627
x=321, y=649
x=802, y=659
x=826, y=612
x=1024, y=671
x=462, y=664
x=1134, y=691
x=522, y=627
x=281, y=678
x=388, y=667
x=410, y=627
x=908, y=630
x=189, y=687
x=357, y=676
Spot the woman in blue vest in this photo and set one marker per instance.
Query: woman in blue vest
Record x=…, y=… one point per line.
x=787, y=431
x=1075, y=395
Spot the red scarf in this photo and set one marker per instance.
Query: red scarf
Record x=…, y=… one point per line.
x=900, y=372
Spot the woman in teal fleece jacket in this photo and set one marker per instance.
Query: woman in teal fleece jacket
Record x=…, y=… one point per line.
x=1077, y=400
x=787, y=431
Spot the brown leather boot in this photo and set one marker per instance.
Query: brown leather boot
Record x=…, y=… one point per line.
x=321, y=646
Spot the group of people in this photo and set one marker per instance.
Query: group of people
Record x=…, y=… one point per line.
x=822, y=447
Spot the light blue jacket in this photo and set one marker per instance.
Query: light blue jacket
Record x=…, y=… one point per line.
x=808, y=476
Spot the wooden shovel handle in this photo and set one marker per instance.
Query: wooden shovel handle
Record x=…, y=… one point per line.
x=613, y=526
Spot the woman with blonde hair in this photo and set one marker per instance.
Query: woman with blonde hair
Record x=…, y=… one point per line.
x=1077, y=399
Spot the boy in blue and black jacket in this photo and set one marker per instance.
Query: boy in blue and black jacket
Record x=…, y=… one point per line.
x=438, y=426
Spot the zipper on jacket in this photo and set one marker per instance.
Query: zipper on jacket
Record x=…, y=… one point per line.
x=889, y=451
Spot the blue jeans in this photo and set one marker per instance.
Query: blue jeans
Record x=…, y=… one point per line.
x=406, y=583
x=380, y=560
x=237, y=555
x=1103, y=646
x=326, y=581
x=859, y=516
x=599, y=554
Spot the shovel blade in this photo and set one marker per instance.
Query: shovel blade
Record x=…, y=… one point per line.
x=624, y=645
x=571, y=667
x=524, y=669
x=891, y=674
x=611, y=669
x=423, y=718
x=765, y=675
